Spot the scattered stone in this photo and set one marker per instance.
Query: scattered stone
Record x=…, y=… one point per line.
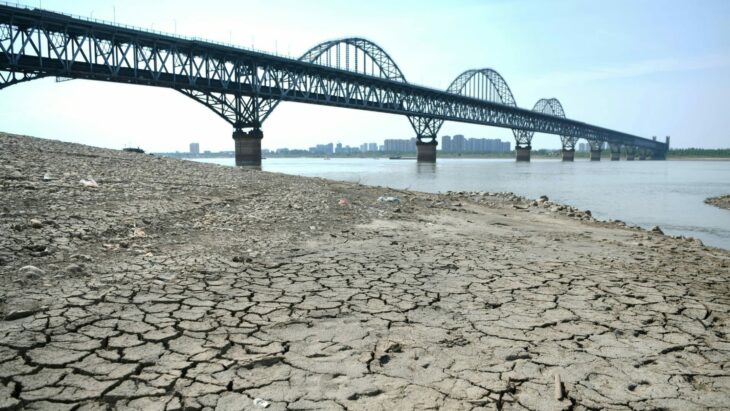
x=31, y=271
x=389, y=200
x=35, y=223
x=719, y=201
x=657, y=230
x=74, y=269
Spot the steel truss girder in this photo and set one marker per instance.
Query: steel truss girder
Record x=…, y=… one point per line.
x=595, y=144
x=239, y=110
x=9, y=78
x=58, y=45
x=426, y=128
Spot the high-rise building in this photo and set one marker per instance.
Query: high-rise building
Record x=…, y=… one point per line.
x=446, y=144
x=458, y=143
x=399, y=146
x=338, y=148
x=364, y=147
x=372, y=146
x=194, y=149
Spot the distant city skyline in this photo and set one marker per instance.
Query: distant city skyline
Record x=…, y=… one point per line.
x=460, y=144
x=650, y=68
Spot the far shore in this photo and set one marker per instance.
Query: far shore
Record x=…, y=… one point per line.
x=411, y=156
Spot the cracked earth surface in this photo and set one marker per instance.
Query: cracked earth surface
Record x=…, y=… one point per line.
x=178, y=285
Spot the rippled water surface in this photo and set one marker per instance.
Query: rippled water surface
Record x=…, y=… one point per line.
x=669, y=194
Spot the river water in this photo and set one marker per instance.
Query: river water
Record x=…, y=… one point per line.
x=669, y=194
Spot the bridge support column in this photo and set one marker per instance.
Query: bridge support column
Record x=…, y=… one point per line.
x=615, y=151
x=426, y=151
x=522, y=153
x=248, y=147
x=642, y=154
x=595, y=155
x=630, y=153
x=568, y=155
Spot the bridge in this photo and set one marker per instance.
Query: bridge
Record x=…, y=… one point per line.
x=244, y=86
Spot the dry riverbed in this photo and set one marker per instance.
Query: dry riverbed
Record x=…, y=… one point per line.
x=174, y=284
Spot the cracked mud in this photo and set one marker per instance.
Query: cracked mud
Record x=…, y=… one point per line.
x=177, y=285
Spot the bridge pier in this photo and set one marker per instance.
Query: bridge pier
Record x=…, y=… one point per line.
x=426, y=151
x=568, y=155
x=615, y=151
x=522, y=153
x=248, y=147
x=642, y=154
x=595, y=155
x=630, y=153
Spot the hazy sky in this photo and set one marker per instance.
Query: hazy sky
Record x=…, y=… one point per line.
x=642, y=67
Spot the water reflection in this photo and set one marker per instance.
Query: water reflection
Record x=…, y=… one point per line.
x=426, y=169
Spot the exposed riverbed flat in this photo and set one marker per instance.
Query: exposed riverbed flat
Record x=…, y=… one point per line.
x=174, y=284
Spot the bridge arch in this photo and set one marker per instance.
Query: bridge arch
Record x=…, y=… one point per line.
x=484, y=84
x=345, y=54
x=487, y=84
x=352, y=54
x=553, y=107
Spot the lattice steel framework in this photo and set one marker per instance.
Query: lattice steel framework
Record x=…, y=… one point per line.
x=242, y=86
x=553, y=107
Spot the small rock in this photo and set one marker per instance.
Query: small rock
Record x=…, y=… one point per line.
x=657, y=230
x=542, y=199
x=260, y=403
x=389, y=200
x=74, y=269
x=35, y=223
x=31, y=271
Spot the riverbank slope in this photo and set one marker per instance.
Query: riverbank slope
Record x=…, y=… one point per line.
x=161, y=284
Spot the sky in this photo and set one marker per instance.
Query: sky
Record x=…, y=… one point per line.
x=645, y=67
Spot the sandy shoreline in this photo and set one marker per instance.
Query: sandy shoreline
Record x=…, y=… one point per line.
x=176, y=284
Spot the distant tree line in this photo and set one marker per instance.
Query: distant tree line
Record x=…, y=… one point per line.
x=700, y=152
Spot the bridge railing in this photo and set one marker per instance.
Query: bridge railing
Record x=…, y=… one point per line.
x=146, y=29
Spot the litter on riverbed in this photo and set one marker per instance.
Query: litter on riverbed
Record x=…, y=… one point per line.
x=389, y=200
x=89, y=183
x=260, y=403
x=343, y=202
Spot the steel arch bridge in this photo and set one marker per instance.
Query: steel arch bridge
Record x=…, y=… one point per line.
x=243, y=86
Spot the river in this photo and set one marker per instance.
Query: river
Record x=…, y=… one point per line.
x=669, y=194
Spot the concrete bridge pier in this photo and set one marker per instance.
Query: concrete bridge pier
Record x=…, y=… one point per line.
x=568, y=155
x=426, y=151
x=248, y=147
x=595, y=155
x=615, y=151
x=642, y=154
x=630, y=153
x=522, y=153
